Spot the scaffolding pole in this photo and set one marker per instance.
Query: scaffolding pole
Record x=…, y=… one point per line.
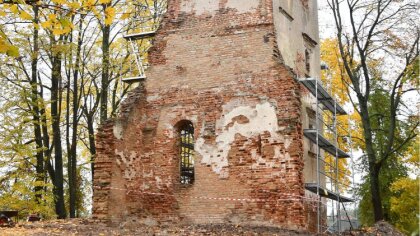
x=317, y=163
x=328, y=103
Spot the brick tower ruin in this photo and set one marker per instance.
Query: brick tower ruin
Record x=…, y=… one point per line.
x=214, y=134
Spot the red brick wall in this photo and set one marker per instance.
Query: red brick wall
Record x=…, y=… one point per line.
x=203, y=70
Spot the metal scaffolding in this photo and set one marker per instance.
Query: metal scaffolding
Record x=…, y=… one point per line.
x=132, y=38
x=331, y=191
x=140, y=30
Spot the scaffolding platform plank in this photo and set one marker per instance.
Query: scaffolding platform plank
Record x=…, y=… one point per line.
x=323, y=96
x=134, y=79
x=141, y=35
x=313, y=187
x=324, y=143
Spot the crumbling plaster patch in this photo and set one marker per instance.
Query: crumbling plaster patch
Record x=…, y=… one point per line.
x=262, y=118
x=118, y=130
x=200, y=7
x=127, y=161
x=243, y=6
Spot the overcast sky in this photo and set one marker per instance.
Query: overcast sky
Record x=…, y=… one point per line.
x=326, y=20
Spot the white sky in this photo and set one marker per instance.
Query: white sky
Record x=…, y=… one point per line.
x=326, y=20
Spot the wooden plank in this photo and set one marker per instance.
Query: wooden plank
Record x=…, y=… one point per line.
x=142, y=35
x=134, y=79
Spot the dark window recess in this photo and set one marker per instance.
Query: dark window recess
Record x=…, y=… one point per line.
x=286, y=14
x=308, y=60
x=187, y=154
x=312, y=118
x=309, y=46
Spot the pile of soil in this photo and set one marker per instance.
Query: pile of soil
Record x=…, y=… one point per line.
x=379, y=229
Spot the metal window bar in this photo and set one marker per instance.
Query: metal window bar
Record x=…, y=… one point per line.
x=187, y=154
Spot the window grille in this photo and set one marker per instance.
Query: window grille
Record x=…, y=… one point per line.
x=187, y=154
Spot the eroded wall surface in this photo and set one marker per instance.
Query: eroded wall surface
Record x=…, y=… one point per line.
x=297, y=34
x=218, y=65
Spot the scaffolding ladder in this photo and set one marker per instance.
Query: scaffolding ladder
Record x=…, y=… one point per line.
x=326, y=103
x=132, y=38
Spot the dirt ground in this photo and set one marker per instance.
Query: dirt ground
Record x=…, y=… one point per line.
x=379, y=229
x=90, y=227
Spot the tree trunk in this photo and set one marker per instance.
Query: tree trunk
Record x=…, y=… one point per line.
x=73, y=150
x=35, y=110
x=58, y=152
x=106, y=30
x=373, y=167
x=92, y=146
x=376, y=196
x=45, y=138
x=68, y=144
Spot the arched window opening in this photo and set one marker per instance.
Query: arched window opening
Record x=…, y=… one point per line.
x=187, y=153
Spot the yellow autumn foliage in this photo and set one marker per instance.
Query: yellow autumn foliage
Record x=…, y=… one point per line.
x=88, y=3
x=336, y=81
x=52, y=17
x=14, y=9
x=25, y=16
x=405, y=204
x=109, y=15
x=7, y=48
x=59, y=2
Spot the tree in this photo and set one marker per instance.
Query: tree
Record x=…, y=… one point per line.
x=55, y=25
x=53, y=54
x=369, y=36
x=21, y=187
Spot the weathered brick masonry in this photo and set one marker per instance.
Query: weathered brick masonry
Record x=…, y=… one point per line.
x=223, y=72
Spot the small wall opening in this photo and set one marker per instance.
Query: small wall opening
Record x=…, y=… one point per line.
x=186, y=151
x=308, y=60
